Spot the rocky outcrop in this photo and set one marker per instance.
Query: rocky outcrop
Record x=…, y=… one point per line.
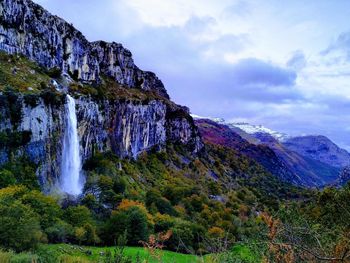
x=125, y=127
x=44, y=124
x=344, y=176
x=28, y=29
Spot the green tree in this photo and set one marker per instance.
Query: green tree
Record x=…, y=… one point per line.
x=133, y=221
x=19, y=226
x=6, y=178
x=78, y=216
x=45, y=206
x=60, y=232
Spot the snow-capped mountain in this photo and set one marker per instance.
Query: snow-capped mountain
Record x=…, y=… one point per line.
x=255, y=129
x=248, y=128
x=314, y=158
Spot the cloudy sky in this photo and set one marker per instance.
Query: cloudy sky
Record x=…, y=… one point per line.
x=283, y=64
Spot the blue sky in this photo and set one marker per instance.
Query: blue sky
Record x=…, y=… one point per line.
x=283, y=64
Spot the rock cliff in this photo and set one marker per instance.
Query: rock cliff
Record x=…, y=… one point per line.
x=28, y=29
x=123, y=124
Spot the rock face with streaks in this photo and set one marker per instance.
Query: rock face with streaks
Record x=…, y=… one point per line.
x=125, y=126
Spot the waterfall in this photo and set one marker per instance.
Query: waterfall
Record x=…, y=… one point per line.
x=71, y=182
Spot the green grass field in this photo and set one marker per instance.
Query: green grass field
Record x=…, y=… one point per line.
x=98, y=253
x=64, y=253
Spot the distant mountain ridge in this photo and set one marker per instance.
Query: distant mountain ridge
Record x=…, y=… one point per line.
x=312, y=160
x=220, y=134
x=319, y=148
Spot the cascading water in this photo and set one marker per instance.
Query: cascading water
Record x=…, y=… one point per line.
x=71, y=181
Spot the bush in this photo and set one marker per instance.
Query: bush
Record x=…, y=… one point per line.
x=163, y=206
x=51, y=97
x=45, y=206
x=14, y=139
x=5, y=257
x=14, y=105
x=31, y=100
x=24, y=258
x=54, y=72
x=186, y=236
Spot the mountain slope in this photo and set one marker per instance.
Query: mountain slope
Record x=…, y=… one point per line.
x=269, y=152
x=223, y=135
x=319, y=148
x=311, y=172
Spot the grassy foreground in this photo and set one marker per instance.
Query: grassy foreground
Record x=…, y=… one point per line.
x=98, y=253
x=64, y=253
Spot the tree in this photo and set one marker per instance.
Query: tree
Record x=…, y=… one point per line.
x=6, y=178
x=60, y=232
x=137, y=229
x=80, y=234
x=19, y=226
x=45, y=206
x=133, y=220
x=77, y=216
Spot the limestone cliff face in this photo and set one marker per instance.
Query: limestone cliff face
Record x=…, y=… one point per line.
x=45, y=124
x=28, y=29
x=125, y=127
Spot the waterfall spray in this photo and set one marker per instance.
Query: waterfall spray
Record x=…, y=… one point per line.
x=71, y=182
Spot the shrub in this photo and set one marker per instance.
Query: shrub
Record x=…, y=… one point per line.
x=14, y=106
x=31, y=100
x=163, y=206
x=45, y=206
x=14, y=139
x=51, y=97
x=54, y=72
x=24, y=258
x=5, y=257
x=24, y=171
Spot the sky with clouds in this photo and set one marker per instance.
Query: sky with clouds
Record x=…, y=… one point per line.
x=283, y=64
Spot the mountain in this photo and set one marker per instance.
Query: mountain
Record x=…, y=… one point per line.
x=315, y=147
x=319, y=148
x=119, y=107
x=285, y=163
x=258, y=129
x=312, y=172
x=223, y=135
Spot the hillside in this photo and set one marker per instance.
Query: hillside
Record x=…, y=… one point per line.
x=274, y=155
x=319, y=148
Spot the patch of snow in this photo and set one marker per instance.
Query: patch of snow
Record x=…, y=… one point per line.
x=246, y=127
x=253, y=129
